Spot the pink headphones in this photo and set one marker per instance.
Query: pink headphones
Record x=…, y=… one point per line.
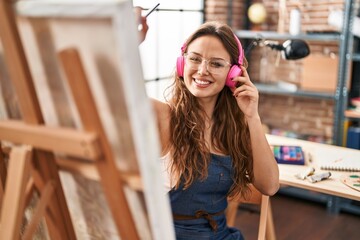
x=234, y=71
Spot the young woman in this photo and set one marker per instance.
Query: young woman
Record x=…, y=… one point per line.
x=211, y=135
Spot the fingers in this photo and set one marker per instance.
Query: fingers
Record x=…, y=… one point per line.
x=246, y=87
x=243, y=79
x=244, y=72
x=245, y=90
x=144, y=25
x=137, y=10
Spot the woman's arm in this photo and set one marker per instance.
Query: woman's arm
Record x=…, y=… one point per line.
x=266, y=171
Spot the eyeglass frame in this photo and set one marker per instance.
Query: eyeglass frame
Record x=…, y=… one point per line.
x=206, y=61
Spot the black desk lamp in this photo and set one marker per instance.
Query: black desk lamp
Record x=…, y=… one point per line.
x=291, y=49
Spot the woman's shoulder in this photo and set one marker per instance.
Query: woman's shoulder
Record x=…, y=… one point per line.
x=162, y=111
x=159, y=104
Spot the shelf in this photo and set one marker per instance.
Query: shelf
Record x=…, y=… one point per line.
x=248, y=34
x=356, y=57
x=346, y=55
x=275, y=89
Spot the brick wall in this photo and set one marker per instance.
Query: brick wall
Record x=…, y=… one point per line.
x=304, y=116
x=307, y=116
x=218, y=10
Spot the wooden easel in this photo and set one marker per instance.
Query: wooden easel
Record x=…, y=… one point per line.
x=16, y=200
x=57, y=217
x=34, y=161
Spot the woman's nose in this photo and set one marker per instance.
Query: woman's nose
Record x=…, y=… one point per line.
x=202, y=70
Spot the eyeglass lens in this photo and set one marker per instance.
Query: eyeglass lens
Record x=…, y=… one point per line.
x=212, y=65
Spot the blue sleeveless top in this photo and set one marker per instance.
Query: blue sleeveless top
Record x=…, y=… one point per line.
x=209, y=195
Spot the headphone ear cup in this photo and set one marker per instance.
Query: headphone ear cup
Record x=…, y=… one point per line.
x=234, y=72
x=180, y=66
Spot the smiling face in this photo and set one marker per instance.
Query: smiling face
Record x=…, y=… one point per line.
x=200, y=82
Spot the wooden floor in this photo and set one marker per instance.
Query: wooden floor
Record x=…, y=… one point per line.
x=300, y=219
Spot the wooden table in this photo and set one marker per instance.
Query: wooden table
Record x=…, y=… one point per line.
x=333, y=185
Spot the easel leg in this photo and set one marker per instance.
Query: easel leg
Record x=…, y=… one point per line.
x=40, y=210
x=2, y=175
x=58, y=213
x=13, y=202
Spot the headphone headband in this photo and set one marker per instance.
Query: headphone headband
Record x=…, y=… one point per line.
x=241, y=50
x=183, y=48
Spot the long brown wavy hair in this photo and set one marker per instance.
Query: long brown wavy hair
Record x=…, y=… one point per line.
x=230, y=134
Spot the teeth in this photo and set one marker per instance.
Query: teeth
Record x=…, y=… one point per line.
x=201, y=81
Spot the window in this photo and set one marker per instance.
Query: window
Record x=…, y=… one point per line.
x=168, y=28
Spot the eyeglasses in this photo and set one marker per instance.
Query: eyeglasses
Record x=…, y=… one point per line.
x=213, y=65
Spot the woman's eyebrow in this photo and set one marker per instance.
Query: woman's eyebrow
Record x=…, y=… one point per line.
x=218, y=58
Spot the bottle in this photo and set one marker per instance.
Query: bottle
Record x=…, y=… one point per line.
x=295, y=22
